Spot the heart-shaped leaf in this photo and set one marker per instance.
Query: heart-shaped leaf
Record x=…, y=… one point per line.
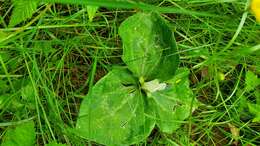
x=174, y=104
x=149, y=47
x=113, y=113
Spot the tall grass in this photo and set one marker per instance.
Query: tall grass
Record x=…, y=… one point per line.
x=58, y=55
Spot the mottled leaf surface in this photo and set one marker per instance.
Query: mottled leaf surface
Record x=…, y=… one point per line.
x=149, y=47
x=174, y=104
x=113, y=113
x=124, y=106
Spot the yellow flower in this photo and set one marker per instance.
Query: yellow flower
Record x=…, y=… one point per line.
x=255, y=7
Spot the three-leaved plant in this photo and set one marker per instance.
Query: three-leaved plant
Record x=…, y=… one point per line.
x=126, y=104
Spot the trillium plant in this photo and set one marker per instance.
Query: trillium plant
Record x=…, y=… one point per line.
x=150, y=91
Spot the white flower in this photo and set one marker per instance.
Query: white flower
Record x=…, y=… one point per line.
x=154, y=86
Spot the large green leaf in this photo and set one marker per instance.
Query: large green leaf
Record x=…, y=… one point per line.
x=23, y=9
x=173, y=104
x=149, y=47
x=113, y=113
x=22, y=135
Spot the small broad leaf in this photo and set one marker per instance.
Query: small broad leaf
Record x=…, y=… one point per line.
x=252, y=81
x=21, y=135
x=23, y=10
x=254, y=109
x=113, y=113
x=149, y=47
x=28, y=96
x=91, y=12
x=174, y=104
x=27, y=93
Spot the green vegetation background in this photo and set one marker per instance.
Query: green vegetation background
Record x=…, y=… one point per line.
x=49, y=61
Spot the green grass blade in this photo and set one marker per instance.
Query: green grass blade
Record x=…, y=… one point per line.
x=130, y=5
